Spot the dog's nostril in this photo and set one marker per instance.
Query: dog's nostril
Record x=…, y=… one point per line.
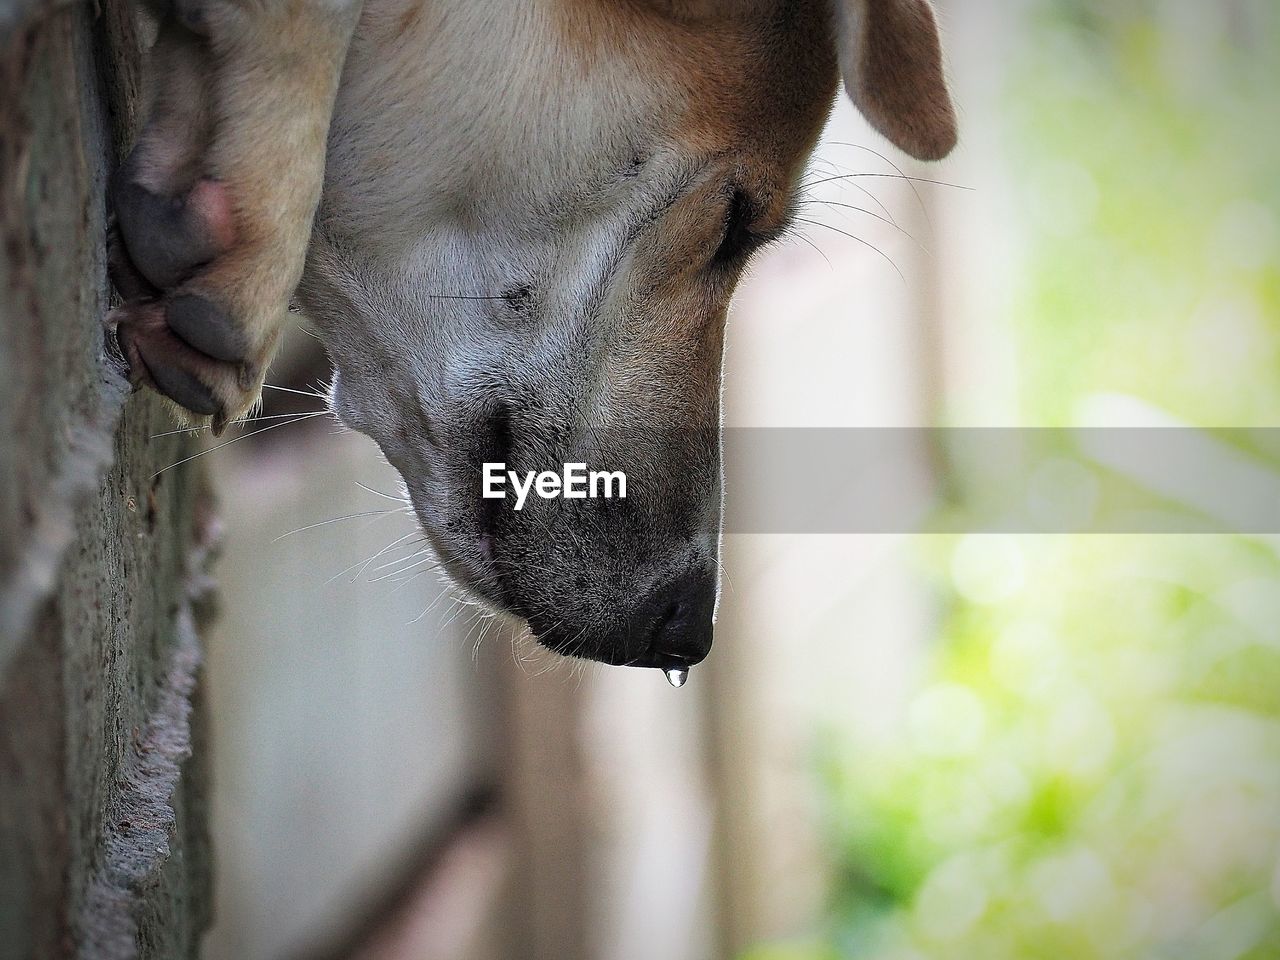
x=673, y=611
x=679, y=624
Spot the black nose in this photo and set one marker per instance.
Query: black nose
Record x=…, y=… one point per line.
x=675, y=622
x=670, y=628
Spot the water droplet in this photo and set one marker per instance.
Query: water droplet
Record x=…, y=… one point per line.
x=676, y=676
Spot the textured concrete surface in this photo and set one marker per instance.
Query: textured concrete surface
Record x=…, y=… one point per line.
x=103, y=851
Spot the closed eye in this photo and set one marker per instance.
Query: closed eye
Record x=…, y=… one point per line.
x=737, y=240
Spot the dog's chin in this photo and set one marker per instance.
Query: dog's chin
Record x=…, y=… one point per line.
x=474, y=582
x=468, y=571
x=596, y=651
x=472, y=578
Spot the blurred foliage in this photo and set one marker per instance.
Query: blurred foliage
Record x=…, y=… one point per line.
x=1092, y=772
x=1144, y=140
x=1092, y=766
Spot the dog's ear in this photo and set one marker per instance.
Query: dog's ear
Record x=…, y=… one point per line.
x=891, y=58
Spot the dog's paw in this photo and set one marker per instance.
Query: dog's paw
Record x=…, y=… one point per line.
x=169, y=237
x=214, y=207
x=191, y=327
x=188, y=349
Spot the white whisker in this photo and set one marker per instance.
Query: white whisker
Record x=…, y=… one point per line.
x=321, y=523
x=251, y=433
x=237, y=423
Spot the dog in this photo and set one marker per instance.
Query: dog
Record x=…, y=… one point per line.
x=517, y=226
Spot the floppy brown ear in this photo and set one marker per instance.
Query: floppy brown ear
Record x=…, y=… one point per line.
x=891, y=59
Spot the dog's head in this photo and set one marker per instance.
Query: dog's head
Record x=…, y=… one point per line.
x=536, y=212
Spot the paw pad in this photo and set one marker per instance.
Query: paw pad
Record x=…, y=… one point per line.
x=169, y=237
x=207, y=327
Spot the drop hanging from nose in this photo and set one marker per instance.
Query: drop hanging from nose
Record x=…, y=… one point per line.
x=676, y=676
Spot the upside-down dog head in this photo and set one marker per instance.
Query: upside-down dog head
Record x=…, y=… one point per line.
x=535, y=215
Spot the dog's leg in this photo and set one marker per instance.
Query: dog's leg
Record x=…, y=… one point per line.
x=215, y=205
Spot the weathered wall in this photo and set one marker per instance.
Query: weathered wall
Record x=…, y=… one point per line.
x=102, y=587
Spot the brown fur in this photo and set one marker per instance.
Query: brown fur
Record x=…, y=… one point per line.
x=896, y=77
x=246, y=103
x=589, y=175
x=246, y=100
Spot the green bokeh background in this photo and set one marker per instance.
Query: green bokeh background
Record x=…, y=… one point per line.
x=1092, y=767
